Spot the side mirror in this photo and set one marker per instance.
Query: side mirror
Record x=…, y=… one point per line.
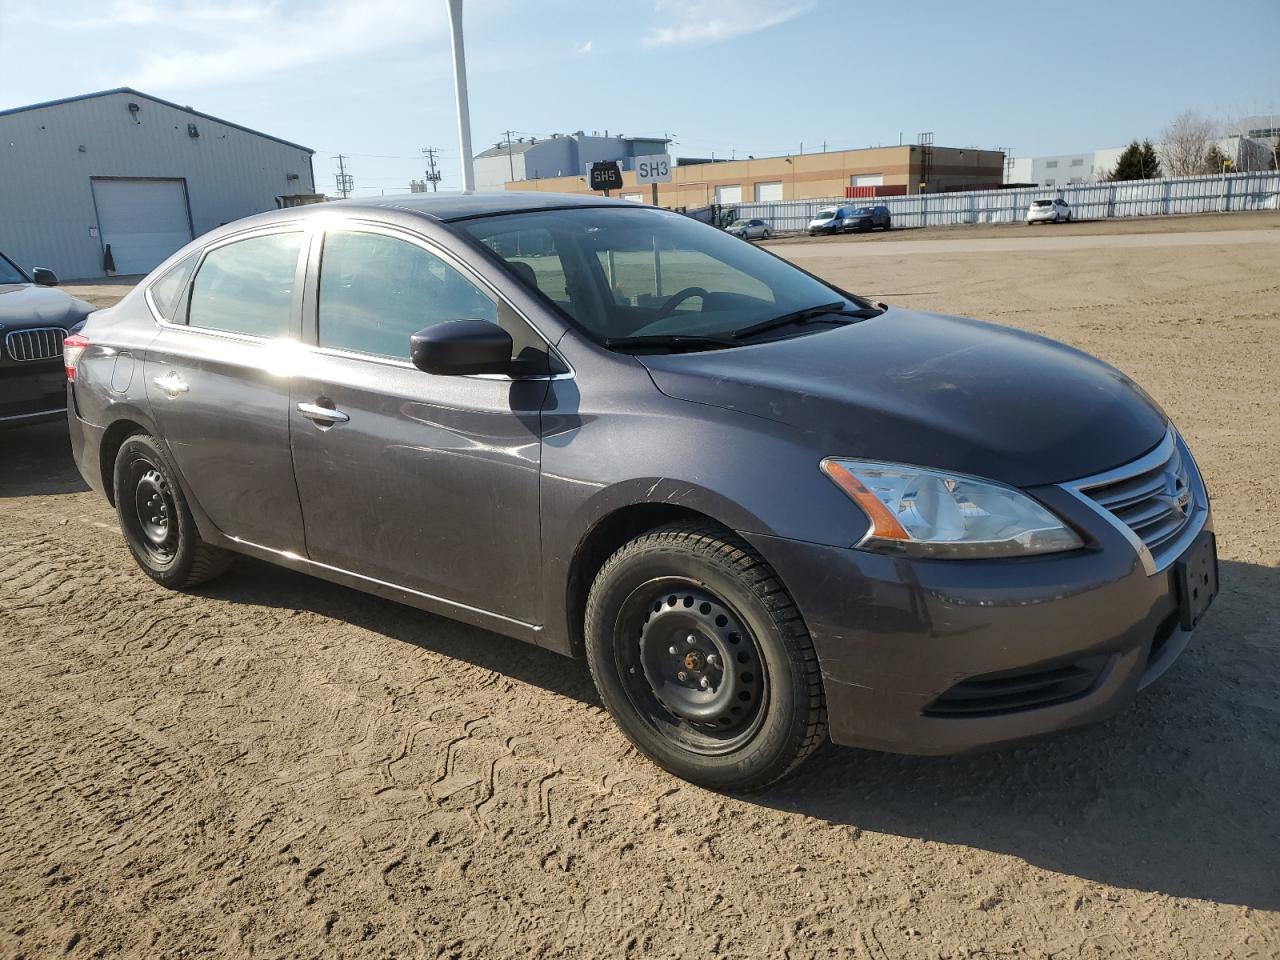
x=44, y=277
x=459, y=347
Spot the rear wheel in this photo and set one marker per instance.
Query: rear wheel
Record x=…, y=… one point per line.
x=156, y=521
x=703, y=659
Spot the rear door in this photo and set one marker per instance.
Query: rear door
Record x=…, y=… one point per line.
x=425, y=482
x=217, y=378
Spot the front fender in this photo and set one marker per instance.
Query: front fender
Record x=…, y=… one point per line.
x=753, y=475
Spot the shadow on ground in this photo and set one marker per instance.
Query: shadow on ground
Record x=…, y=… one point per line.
x=36, y=461
x=1177, y=795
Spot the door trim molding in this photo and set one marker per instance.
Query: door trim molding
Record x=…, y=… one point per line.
x=297, y=560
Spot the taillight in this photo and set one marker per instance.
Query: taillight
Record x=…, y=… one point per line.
x=72, y=348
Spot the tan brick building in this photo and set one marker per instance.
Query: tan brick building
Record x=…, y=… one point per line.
x=892, y=170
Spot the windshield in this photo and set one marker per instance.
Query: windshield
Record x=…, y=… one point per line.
x=9, y=273
x=740, y=223
x=644, y=272
x=825, y=214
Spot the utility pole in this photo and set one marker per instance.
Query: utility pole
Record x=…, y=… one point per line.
x=511, y=164
x=344, y=181
x=433, y=175
x=460, y=87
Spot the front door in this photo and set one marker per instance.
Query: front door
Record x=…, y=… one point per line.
x=217, y=382
x=425, y=482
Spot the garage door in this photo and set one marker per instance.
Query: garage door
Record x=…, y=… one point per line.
x=143, y=220
x=769, y=191
x=729, y=194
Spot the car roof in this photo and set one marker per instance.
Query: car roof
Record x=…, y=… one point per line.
x=440, y=207
x=447, y=207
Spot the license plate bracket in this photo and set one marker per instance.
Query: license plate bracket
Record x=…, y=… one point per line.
x=1196, y=574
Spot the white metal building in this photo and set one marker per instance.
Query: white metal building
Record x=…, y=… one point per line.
x=128, y=170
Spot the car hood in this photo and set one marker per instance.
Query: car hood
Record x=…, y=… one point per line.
x=935, y=391
x=27, y=305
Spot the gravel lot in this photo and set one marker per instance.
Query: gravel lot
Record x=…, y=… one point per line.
x=277, y=767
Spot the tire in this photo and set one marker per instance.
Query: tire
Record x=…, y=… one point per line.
x=767, y=235
x=737, y=729
x=156, y=521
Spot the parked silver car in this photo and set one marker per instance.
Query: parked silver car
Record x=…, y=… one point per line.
x=755, y=229
x=1055, y=210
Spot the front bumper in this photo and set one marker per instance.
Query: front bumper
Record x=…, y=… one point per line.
x=908, y=647
x=31, y=393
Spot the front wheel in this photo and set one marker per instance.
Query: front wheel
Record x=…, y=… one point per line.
x=156, y=521
x=702, y=658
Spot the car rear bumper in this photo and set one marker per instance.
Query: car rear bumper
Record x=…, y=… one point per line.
x=937, y=657
x=86, y=444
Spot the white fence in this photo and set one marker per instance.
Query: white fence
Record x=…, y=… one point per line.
x=1089, y=201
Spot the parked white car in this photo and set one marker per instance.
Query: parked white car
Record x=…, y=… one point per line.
x=1056, y=210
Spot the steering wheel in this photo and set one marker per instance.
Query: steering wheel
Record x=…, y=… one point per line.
x=669, y=305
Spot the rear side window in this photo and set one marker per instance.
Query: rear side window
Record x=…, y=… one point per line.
x=378, y=291
x=166, y=293
x=247, y=287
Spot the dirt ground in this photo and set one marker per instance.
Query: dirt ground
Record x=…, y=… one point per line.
x=276, y=767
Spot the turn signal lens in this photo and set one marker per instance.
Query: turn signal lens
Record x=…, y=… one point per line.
x=945, y=515
x=72, y=348
x=884, y=525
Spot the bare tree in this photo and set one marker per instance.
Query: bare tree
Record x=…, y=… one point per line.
x=1185, y=144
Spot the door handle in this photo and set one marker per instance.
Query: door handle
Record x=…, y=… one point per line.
x=323, y=415
x=172, y=383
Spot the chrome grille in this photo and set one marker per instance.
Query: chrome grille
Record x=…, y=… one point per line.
x=1158, y=500
x=39, y=343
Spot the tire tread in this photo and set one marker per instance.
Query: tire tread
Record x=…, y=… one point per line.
x=719, y=545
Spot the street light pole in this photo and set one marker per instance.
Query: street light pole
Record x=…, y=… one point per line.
x=460, y=85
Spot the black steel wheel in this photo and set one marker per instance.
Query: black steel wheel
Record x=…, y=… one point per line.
x=153, y=511
x=702, y=658
x=695, y=673
x=156, y=521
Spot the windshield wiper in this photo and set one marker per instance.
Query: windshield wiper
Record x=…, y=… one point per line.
x=822, y=311
x=673, y=341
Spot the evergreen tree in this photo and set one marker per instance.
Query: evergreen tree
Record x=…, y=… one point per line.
x=1214, y=160
x=1138, y=162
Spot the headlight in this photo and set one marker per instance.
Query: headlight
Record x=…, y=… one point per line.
x=947, y=515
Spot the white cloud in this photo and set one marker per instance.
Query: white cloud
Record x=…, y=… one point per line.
x=584, y=47
x=688, y=22
x=209, y=42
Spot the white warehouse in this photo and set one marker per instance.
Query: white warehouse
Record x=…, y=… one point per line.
x=129, y=172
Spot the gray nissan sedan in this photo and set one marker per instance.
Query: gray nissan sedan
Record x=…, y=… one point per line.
x=764, y=509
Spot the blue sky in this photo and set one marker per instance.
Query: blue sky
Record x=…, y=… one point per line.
x=372, y=78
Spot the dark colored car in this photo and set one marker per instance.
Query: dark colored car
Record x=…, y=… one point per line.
x=34, y=319
x=763, y=508
x=870, y=218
